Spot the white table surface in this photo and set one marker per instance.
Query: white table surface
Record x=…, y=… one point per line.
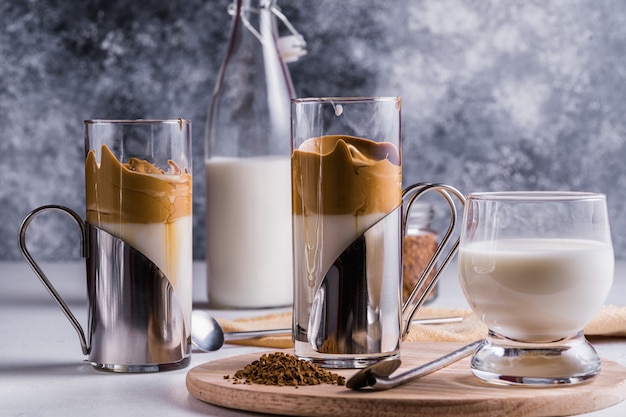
x=43, y=372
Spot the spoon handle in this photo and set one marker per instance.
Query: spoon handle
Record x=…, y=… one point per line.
x=384, y=383
x=252, y=334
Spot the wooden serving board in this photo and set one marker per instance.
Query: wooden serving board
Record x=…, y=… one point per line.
x=450, y=392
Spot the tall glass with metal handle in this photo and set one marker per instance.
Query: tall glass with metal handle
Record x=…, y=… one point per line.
x=347, y=209
x=137, y=241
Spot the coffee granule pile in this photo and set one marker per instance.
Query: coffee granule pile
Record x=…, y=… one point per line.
x=284, y=370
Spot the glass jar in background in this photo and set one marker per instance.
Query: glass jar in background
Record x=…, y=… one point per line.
x=420, y=244
x=247, y=160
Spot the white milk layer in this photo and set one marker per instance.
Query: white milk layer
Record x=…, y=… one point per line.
x=536, y=289
x=248, y=229
x=168, y=246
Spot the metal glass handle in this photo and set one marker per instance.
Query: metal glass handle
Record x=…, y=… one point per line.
x=84, y=249
x=425, y=284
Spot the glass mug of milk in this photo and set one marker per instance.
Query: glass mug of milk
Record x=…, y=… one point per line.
x=137, y=242
x=347, y=208
x=536, y=267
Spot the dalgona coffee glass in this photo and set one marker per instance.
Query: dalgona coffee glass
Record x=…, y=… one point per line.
x=137, y=241
x=347, y=230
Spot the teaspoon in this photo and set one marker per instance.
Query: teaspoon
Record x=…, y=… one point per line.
x=207, y=334
x=376, y=376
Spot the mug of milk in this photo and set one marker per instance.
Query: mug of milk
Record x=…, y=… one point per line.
x=348, y=223
x=536, y=267
x=137, y=242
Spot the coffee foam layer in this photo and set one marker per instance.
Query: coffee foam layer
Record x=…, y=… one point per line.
x=135, y=191
x=339, y=174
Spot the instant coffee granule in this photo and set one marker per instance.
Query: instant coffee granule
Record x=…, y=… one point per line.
x=419, y=246
x=418, y=250
x=284, y=370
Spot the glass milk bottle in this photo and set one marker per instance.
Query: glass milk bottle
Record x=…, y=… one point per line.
x=248, y=176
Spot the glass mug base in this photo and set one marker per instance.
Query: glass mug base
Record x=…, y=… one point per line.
x=154, y=367
x=342, y=361
x=508, y=362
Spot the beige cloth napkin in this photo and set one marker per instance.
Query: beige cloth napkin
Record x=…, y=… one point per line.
x=610, y=321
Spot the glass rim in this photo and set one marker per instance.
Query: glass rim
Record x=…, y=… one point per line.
x=179, y=121
x=349, y=99
x=536, y=196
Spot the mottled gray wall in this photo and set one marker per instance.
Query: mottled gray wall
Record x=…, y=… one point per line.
x=497, y=94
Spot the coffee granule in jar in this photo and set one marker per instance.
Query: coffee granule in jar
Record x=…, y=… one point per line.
x=417, y=253
x=284, y=370
x=419, y=246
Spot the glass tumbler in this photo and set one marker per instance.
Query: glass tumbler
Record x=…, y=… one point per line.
x=536, y=267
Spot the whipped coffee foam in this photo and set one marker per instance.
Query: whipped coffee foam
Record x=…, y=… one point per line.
x=345, y=175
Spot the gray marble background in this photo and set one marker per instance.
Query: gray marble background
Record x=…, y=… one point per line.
x=498, y=95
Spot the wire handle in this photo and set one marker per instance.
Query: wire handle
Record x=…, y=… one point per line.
x=84, y=252
x=426, y=283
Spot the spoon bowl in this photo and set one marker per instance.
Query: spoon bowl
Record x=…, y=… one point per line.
x=206, y=332
x=367, y=376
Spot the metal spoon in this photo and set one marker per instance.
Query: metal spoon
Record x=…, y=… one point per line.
x=207, y=334
x=377, y=377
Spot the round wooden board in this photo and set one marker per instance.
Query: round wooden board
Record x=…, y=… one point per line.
x=452, y=391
